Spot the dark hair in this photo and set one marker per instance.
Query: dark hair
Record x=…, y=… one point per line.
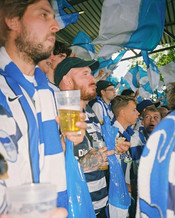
x=127, y=92
x=119, y=102
x=11, y=9
x=61, y=47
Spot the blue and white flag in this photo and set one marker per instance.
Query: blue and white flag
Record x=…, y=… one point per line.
x=168, y=72
x=137, y=78
x=116, y=60
x=163, y=96
x=125, y=83
x=145, y=90
x=156, y=186
x=132, y=24
x=152, y=70
x=110, y=63
x=132, y=78
x=113, y=80
x=107, y=50
x=61, y=16
x=82, y=47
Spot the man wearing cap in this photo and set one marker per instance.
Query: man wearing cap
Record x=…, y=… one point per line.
x=102, y=107
x=73, y=74
x=141, y=108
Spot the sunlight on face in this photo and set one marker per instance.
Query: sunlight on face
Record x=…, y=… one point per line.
x=131, y=113
x=36, y=37
x=84, y=81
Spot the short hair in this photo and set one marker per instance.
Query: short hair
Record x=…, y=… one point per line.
x=171, y=95
x=120, y=102
x=127, y=92
x=152, y=109
x=61, y=47
x=11, y=9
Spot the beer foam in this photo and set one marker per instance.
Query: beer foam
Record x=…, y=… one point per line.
x=70, y=107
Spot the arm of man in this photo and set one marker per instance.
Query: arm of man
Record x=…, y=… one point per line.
x=95, y=159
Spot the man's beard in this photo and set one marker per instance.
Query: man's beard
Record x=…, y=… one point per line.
x=31, y=50
x=85, y=96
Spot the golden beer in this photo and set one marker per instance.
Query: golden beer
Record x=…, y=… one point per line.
x=68, y=119
x=103, y=168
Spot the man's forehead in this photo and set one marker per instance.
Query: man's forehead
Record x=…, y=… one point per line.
x=42, y=5
x=132, y=102
x=152, y=113
x=80, y=69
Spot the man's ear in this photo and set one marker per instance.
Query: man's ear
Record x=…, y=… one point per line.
x=102, y=92
x=12, y=23
x=67, y=82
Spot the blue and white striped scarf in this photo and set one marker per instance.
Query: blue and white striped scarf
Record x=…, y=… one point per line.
x=39, y=109
x=156, y=179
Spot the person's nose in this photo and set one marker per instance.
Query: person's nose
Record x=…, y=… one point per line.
x=55, y=26
x=92, y=79
x=152, y=119
x=52, y=57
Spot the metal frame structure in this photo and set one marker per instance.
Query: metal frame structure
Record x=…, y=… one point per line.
x=89, y=22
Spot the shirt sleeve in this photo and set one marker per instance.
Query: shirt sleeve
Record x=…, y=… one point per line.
x=98, y=110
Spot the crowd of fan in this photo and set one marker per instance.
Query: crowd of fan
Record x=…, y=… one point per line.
x=136, y=122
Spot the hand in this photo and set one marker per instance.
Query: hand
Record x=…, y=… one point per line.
x=122, y=146
x=101, y=72
x=4, y=216
x=59, y=213
x=95, y=159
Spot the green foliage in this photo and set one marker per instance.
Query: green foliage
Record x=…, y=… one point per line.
x=163, y=58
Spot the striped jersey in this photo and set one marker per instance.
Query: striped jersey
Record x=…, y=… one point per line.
x=29, y=112
x=101, y=109
x=96, y=180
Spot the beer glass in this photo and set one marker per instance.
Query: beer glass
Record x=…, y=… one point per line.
x=68, y=103
x=31, y=200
